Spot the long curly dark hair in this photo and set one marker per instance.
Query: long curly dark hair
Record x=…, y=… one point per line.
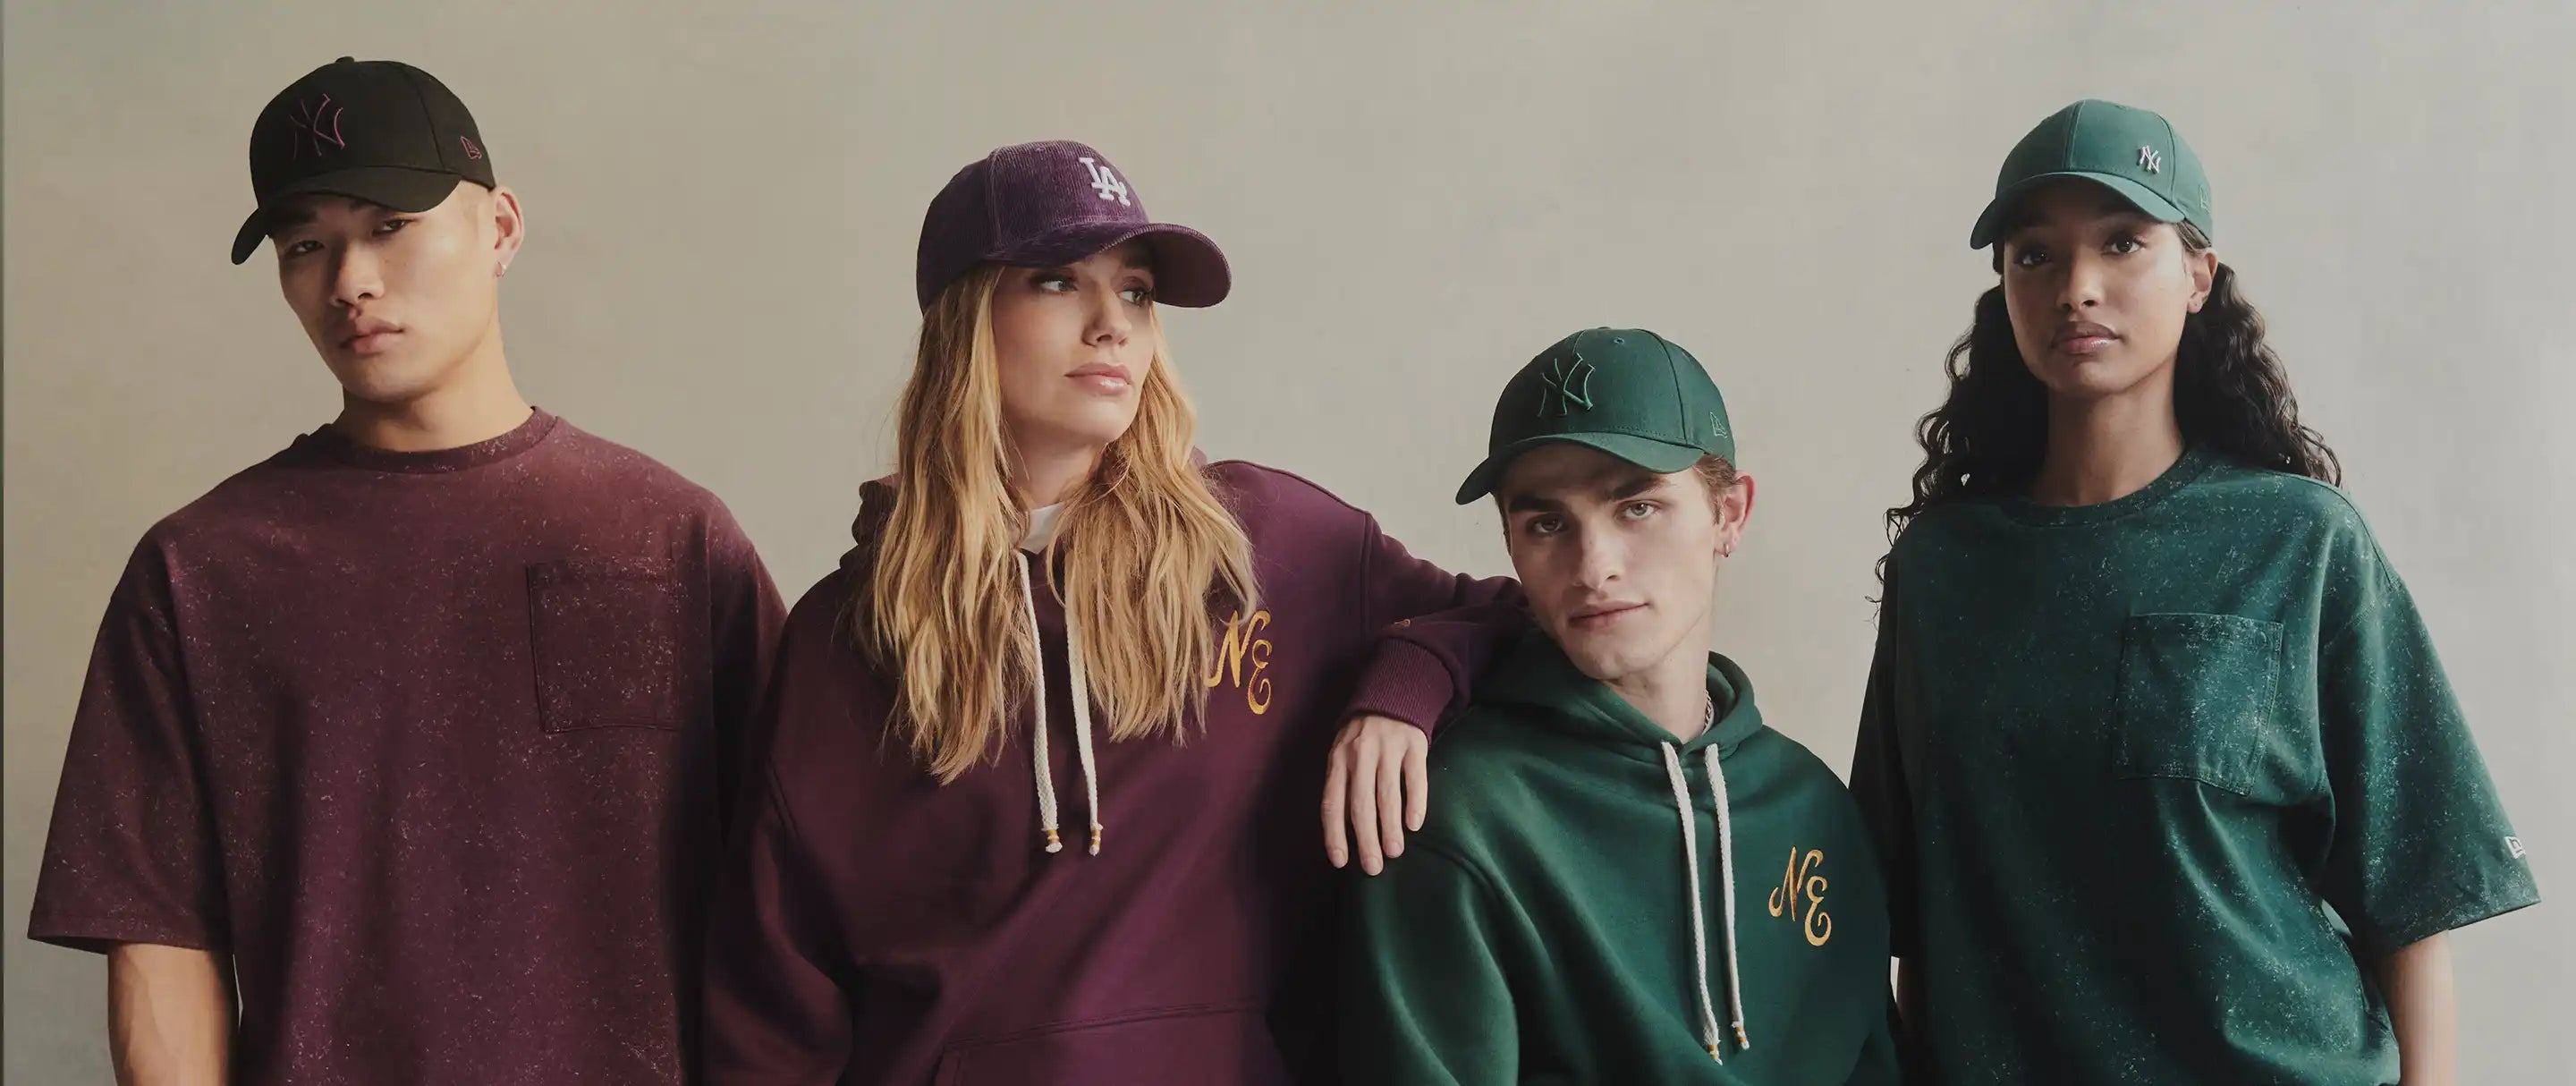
x=2230, y=396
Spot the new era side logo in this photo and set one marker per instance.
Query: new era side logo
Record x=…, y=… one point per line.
x=2514, y=845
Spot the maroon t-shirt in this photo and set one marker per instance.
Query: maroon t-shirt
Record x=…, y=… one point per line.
x=875, y=926
x=434, y=745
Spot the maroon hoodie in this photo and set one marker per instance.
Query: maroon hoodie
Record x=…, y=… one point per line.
x=874, y=926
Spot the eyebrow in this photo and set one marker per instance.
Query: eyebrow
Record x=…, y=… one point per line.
x=1635, y=485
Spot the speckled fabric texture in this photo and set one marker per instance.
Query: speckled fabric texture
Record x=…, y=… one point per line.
x=2159, y=780
x=435, y=745
x=876, y=926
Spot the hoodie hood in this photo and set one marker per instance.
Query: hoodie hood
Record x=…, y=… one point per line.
x=876, y=506
x=1538, y=682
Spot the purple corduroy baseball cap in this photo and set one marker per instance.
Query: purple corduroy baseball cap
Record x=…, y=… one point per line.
x=1040, y=204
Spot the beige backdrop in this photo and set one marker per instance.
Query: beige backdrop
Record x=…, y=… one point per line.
x=723, y=201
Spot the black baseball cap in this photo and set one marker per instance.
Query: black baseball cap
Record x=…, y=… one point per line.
x=375, y=130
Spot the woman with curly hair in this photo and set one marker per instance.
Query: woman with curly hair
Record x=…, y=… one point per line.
x=2167, y=778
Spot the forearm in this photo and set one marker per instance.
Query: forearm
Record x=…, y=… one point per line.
x=2424, y=1007
x=169, y=1015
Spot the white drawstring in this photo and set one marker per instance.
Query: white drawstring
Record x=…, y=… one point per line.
x=1044, y=769
x=1726, y=878
x=1699, y=926
x=1709, y=1036
x=1038, y=751
x=1082, y=726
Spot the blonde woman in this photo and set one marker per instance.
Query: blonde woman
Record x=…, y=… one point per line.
x=1034, y=801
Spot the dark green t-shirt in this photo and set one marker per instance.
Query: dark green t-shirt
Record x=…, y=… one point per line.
x=2156, y=780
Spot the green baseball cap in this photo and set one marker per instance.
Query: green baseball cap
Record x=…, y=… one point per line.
x=2127, y=150
x=1625, y=391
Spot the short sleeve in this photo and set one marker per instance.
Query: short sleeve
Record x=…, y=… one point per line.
x=133, y=854
x=2420, y=844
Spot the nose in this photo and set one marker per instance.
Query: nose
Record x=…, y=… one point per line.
x=1110, y=323
x=2082, y=288
x=1599, y=560
x=356, y=277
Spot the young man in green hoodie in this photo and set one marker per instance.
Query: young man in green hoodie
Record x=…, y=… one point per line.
x=1622, y=856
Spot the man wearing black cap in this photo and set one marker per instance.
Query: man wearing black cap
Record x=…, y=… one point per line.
x=411, y=737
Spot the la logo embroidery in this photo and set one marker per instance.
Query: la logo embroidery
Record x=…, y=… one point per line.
x=1105, y=182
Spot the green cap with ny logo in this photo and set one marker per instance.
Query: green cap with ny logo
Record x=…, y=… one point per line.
x=2130, y=151
x=1624, y=391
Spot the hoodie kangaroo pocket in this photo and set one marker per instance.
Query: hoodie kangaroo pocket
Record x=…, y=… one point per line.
x=1221, y=1044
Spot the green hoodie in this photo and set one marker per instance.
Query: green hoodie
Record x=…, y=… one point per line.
x=1540, y=927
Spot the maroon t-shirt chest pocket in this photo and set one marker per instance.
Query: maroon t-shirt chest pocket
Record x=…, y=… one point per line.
x=608, y=639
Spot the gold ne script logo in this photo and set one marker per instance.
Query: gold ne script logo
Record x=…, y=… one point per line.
x=1801, y=883
x=1243, y=639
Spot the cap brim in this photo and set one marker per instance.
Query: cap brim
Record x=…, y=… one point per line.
x=1660, y=457
x=1991, y=220
x=396, y=187
x=1189, y=270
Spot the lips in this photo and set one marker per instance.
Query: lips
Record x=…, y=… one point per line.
x=2083, y=337
x=1102, y=376
x=1599, y=616
x=368, y=335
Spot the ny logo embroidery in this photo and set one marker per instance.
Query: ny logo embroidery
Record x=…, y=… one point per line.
x=1801, y=882
x=1568, y=385
x=2151, y=159
x=1105, y=182
x=310, y=123
x=471, y=151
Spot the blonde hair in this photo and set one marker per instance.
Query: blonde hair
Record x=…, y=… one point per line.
x=1147, y=546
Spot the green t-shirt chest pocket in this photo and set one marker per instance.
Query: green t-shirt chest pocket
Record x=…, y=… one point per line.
x=2200, y=698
